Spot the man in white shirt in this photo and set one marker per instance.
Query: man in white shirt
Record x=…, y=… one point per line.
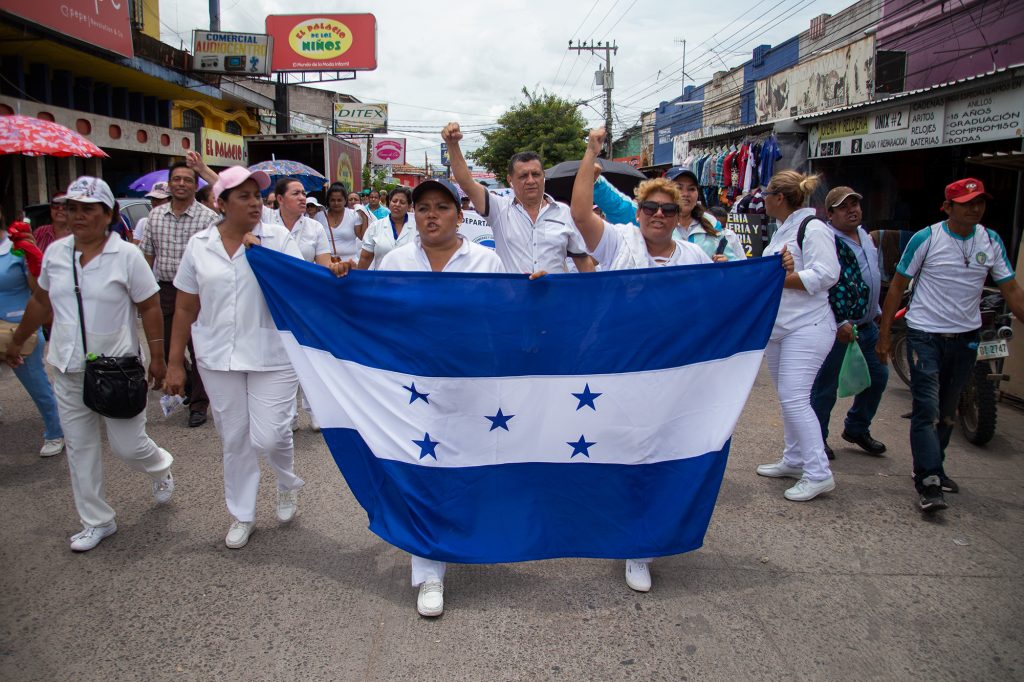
x=950, y=262
x=532, y=231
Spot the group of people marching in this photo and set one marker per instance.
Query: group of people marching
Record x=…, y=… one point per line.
x=211, y=337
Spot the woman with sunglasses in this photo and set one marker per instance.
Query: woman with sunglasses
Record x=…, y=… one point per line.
x=804, y=332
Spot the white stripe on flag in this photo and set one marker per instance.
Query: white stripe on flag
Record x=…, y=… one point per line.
x=639, y=418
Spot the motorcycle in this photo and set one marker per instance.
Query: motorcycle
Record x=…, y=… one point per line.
x=977, y=407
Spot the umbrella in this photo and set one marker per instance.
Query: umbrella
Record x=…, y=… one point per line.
x=312, y=180
x=146, y=182
x=558, y=179
x=36, y=137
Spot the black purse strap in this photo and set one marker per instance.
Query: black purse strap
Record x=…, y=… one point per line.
x=78, y=297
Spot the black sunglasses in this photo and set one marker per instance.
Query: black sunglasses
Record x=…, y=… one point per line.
x=651, y=207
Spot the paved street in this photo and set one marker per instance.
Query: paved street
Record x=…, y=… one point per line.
x=854, y=585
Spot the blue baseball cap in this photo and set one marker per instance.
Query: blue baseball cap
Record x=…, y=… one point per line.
x=444, y=185
x=675, y=172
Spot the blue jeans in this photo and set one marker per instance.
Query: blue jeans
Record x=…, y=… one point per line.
x=33, y=377
x=939, y=367
x=865, y=403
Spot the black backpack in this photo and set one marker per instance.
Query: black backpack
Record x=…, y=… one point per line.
x=850, y=297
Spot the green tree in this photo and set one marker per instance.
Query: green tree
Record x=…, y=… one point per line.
x=545, y=123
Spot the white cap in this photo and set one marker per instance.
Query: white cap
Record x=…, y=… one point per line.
x=311, y=201
x=90, y=190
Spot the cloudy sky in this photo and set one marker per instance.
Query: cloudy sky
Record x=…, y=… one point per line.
x=441, y=61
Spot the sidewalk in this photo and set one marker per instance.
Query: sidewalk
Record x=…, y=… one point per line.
x=855, y=585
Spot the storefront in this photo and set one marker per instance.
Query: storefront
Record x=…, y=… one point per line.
x=900, y=152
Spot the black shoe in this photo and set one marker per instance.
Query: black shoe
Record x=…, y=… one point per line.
x=196, y=419
x=932, y=499
x=866, y=442
x=829, y=453
x=949, y=485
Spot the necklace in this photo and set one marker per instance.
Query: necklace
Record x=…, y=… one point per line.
x=962, y=247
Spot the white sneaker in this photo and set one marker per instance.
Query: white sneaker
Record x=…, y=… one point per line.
x=90, y=536
x=805, y=489
x=430, y=602
x=313, y=423
x=295, y=422
x=638, y=575
x=51, y=447
x=238, y=534
x=780, y=470
x=287, y=505
x=163, y=489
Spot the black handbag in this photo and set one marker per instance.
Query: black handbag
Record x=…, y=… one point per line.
x=114, y=387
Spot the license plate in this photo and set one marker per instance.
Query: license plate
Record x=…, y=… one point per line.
x=988, y=350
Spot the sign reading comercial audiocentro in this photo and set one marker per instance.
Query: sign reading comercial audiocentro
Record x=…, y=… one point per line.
x=225, y=52
x=323, y=42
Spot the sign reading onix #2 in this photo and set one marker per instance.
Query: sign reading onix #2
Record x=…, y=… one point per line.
x=387, y=151
x=102, y=23
x=323, y=42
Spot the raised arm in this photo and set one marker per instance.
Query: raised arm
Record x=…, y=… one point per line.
x=582, y=206
x=196, y=163
x=452, y=135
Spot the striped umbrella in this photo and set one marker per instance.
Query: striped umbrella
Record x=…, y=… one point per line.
x=312, y=180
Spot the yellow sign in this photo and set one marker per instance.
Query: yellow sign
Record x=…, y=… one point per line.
x=325, y=39
x=221, y=149
x=846, y=127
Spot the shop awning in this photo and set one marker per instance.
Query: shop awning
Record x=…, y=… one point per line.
x=1012, y=161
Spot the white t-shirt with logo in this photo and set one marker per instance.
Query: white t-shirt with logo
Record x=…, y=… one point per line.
x=950, y=273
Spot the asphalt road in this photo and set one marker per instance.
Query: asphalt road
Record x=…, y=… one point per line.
x=855, y=585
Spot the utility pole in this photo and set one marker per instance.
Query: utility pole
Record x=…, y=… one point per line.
x=607, y=80
x=214, y=15
x=682, y=71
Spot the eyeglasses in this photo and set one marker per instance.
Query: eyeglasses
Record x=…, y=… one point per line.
x=651, y=207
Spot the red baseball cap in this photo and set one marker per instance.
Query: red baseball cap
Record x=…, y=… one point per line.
x=965, y=190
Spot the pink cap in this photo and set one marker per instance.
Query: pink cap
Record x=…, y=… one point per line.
x=235, y=176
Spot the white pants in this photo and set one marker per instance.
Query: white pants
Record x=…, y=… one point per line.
x=82, y=436
x=253, y=412
x=794, y=361
x=426, y=569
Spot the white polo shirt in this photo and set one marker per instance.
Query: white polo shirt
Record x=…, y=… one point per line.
x=234, y=330
x=111, y=284
x=469, y=257
x=947, y=291
x=380, y=237
x=342, y=237
x=622, y=247
x=818, y=267
x=525, y=246
x=308, y=234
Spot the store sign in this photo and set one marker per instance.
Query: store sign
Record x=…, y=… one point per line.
x=323, y=42
x=836, y=79
x=387, y=151
x=981, y=115
x=749, y=227
x=238, y=53
x=633, y=161
x=222, y=149
x=101, y=23
x=352, y=118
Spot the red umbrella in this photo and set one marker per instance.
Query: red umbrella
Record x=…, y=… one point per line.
x=36, y=137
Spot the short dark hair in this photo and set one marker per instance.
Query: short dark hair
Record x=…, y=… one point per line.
x=524, y=157
x=203, y=193
x=282, y=184
x=181, y=164
x=402, y=190
x=336, y=187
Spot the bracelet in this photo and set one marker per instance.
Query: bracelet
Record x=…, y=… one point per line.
x=156, y=340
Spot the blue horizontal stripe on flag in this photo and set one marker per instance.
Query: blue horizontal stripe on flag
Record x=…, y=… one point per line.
x=525, y=512
x=472, y=325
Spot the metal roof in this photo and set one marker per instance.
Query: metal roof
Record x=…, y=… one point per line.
x=1008, y=71
x=1013, y=161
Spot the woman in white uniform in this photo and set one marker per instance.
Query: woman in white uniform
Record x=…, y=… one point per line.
x=343, y=225
x=244, y=366
x=437, y=248
x=307, y=233
x=804, y=332
x=389, y=232
x=115, y=284
x=698, y=226
x=624, y=247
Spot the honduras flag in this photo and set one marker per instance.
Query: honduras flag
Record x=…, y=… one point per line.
x=488, y=418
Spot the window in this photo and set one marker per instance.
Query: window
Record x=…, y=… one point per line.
x=233, y=128
x=192, y=119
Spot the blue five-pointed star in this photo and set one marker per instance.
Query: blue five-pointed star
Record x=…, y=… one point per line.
x=580, y=447
x=586, y=398
x=427, y=446
x=499, y=421
x=416, y=395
